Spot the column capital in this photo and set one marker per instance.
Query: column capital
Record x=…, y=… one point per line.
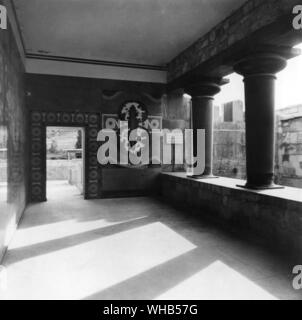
x=205, y=88
x=260, y=64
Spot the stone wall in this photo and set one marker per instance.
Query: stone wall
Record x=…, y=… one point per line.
x=289, y=152
x=239, y=26
x=53, y=94
x=229, y=150
x=59, y=169
x=272, y=217
x=13, y=117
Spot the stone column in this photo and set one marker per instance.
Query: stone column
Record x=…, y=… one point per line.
x=202, y=94
x=259, y=72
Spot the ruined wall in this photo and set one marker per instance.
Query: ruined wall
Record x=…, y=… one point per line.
x=13, y=121
x=289, y=152
x=229, y=150
x=104, y=98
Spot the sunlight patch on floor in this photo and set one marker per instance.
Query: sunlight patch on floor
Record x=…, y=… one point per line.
x=218, y=281
x=79, y=271
x=54, y=231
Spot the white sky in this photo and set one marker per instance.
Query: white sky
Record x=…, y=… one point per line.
x=288, y=86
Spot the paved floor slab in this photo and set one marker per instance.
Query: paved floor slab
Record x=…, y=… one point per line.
x=134, y=248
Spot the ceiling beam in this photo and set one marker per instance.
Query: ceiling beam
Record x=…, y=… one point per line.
x=93, y=69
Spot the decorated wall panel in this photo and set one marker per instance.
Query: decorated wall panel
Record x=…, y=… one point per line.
x=104, y=98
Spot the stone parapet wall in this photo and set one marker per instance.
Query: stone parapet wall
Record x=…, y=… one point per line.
x=273, y=217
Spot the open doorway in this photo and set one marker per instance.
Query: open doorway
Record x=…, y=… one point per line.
x=65, y=161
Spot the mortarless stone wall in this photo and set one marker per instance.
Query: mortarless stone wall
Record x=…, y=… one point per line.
x=241, y=24
x=273, y=217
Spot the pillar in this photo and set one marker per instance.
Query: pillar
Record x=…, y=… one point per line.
x=202, y=94
x=259, y=72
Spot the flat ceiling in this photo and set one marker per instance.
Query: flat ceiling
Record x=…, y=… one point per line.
x=149, y=32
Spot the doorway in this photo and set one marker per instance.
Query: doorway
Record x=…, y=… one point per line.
x=64, y=161
x=90, y=124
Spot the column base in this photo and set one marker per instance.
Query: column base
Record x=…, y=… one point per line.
x=206, y=176
x=259, y=188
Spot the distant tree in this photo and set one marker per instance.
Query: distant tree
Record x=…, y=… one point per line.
x=53, y=147
x=78, y=144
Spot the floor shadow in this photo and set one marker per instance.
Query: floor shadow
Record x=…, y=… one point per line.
x=155, y=282
x=80, y=210
x=27, y=252
x=150, y=284
x=213, y=243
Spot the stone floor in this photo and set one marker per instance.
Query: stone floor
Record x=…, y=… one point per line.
x=133, y=248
